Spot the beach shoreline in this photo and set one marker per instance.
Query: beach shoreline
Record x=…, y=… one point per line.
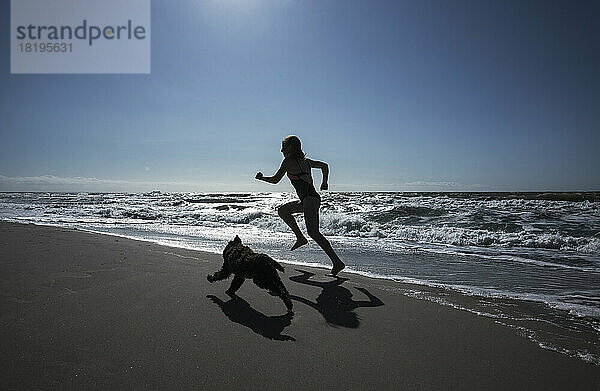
x=91, y=311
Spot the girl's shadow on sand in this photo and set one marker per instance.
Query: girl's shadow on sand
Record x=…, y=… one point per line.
x=335, y=302
x=239, y=311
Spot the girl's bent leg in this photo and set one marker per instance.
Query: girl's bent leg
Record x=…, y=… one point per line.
x=285, y=212
x=311, y=217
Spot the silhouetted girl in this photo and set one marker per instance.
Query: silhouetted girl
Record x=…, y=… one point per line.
x=298, y=169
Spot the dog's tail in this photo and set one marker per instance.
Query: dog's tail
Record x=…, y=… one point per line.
x=266, y=261
x=276, y=264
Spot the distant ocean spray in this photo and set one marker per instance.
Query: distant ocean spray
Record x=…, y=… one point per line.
x=530, y=261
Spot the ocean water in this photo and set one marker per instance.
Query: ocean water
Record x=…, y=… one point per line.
x=530, y=261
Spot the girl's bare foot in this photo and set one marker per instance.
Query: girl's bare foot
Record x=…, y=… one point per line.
x=299, y=242
x=337, y=268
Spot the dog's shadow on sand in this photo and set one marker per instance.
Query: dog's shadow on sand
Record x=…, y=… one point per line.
x=335, y=302
x=239, y=311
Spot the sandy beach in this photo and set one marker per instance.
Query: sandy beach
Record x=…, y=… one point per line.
x=89, y=311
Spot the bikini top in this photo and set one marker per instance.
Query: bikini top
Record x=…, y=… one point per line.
x=295, y=177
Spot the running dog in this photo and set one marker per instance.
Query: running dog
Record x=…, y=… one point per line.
x=243, y=263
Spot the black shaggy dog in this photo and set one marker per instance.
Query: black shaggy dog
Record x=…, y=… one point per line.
x=243, y=263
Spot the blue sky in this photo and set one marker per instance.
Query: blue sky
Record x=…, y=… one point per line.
x=398, y=95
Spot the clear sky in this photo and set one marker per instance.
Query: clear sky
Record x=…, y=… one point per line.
x=394, y=95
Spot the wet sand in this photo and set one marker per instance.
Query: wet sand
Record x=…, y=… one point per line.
x=89, y=311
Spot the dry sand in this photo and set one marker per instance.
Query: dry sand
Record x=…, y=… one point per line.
x=89, y=311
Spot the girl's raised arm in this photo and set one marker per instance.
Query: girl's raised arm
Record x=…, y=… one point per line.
x=324, y=169
x=275, y=178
